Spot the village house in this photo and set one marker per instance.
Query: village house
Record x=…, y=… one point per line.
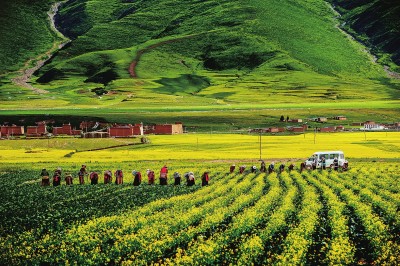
x=125, y=131
x=321, y=119
x=36, y=131
x=327, y=129
x=66, y=129
x=296, y=129
x=87, y=126
x=13, y=130
x=371, y=125
x=296, y=120
x=95, y=134
x=340, y=117
x=356, y=124
x=165, y=129
x=340, y=128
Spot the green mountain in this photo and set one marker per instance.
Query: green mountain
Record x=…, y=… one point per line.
x=168, y=53
x=374, y=22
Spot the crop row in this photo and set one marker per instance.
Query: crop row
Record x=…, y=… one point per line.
x=376, y=231
x=292, y=218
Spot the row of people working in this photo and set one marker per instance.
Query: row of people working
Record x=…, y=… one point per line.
x=119, y=177
x=263, y=168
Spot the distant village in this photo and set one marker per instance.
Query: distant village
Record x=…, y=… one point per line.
x=89, y=129
x=292, y=125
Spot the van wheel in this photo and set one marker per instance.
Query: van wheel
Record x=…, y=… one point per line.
x=331, y=166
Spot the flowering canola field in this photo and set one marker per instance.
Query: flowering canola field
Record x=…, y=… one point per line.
x=201, y=147
x=289, y=218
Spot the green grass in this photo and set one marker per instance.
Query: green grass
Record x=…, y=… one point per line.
x=213, y=56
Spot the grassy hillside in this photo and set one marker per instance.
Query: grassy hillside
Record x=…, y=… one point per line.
x=216, y=55
x=375, y=23
x=25, y=32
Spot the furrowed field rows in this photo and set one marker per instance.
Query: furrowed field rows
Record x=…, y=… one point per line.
x=217, y=249
x=386, y=209
x=340, y=249
x=299, y=238
x=382, y=183
x=383, y=245
x=289, y=218
x=265, y=241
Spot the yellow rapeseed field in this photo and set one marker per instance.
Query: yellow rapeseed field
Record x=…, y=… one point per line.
x=207, y=147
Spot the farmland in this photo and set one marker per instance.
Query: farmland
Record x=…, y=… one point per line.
x=221, y=67
x=211, y=146
x=351, y=217
x=312, y=217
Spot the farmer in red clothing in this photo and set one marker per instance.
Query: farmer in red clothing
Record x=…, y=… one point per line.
x=94, y=178
x=241, y=169
x=150, y=176
x=137, y=178
x=107, y=177
x=56, y=179
x=119, y=177
x=232, y=168
x=68, y=179
x=81, y=174
x=204, y=179
x=164, y=175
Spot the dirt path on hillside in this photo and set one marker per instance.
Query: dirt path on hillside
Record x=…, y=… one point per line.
x=133, y=65
x=26, y=72
x=139, y=53
x=372, y=57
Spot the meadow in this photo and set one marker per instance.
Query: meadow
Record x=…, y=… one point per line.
x=213, y=53
x=351, y=217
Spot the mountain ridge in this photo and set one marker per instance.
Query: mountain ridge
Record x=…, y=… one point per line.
x=277, y=50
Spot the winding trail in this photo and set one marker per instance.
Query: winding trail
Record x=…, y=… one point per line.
x=139, y=53
x=40, y=60
x=133, y=65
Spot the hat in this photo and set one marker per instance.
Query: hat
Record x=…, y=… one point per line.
x=134, y=172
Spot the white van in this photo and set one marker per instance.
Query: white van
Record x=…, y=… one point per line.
x=315, y=159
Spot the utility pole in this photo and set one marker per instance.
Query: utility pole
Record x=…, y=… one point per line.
x=315, y=133
x=260, y=145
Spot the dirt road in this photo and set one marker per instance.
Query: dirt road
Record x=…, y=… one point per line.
x=26, y=72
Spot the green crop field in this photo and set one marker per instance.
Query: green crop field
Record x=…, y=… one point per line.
x=313, y=217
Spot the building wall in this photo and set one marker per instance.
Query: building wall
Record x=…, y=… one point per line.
x=66, y=129
x=57, y=131
x=120, y=131
x=297, y=129
x=12, y=130
x=327, y=129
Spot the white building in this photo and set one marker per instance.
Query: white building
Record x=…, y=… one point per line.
x=371, y=125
